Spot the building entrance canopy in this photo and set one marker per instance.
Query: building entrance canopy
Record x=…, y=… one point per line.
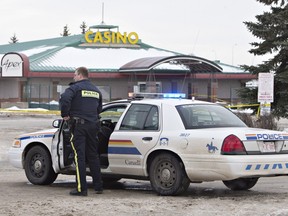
x=193, y=63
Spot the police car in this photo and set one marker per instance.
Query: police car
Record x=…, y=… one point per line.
x=170, y=142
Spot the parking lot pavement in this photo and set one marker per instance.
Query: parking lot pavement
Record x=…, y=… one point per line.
x=127, y=197
x=12, y=125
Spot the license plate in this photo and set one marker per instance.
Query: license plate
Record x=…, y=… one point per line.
x=267, y=147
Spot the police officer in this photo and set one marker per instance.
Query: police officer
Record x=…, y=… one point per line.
x=80, y=105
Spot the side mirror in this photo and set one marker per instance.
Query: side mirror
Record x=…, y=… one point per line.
x=56, y=123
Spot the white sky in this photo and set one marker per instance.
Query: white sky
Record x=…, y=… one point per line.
x=207, y=28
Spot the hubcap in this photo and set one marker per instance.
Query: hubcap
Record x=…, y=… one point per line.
x=37, y=166
x=165, y=175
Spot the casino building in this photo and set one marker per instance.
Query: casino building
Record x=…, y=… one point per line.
x=35, y=73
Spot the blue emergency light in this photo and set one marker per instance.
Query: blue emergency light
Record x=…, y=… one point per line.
x=174, y=95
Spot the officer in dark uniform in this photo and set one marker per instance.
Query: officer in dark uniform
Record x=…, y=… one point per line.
x=80, y=105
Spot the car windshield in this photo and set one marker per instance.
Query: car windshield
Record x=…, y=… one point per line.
x=208, y=116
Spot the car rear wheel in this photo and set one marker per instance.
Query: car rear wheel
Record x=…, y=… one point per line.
x=167, y=175
x=241, y=184
x=38, y=166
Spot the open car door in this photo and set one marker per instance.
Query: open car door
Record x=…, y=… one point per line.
x=61, y=150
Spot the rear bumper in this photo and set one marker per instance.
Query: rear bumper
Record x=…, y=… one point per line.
x=224, y=167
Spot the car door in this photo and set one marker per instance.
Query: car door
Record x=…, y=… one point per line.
x=61, y=150
x=137, y=134
x=61, y=147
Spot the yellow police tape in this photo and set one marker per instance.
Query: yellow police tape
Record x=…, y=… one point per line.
x=249, y=105
x=242, y=105
x=31, y=111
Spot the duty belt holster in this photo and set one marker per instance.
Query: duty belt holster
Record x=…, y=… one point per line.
x=71, y=124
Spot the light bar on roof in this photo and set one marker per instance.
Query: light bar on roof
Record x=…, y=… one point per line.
x=174, y=95
x=156, y=95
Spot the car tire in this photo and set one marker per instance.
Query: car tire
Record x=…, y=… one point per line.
x=38, y=166
x=167, y=175
x=241, y=184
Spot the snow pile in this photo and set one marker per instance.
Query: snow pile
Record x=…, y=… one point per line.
x=27, y=109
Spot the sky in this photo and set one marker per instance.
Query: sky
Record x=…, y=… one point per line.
x=206, y=28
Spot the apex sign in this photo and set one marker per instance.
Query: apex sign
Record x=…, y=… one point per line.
x=12, y=65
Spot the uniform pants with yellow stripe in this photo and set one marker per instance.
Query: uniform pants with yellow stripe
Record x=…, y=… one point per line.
x=85, y=144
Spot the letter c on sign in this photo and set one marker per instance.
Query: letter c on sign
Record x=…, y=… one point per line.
x=87, y=34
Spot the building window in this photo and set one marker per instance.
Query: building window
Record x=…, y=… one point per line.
x=150, y=87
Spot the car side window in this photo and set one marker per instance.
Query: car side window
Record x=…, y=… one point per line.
x=141, y=117
x=112, y=113
x=207, y=116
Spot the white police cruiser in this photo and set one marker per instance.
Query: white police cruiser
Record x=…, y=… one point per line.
x=171, y=142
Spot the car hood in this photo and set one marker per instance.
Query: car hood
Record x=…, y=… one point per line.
x=39, y=134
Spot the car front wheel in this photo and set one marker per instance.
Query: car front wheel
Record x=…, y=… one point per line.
x=167, y=175
x=38, y=166
x=241, y=184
